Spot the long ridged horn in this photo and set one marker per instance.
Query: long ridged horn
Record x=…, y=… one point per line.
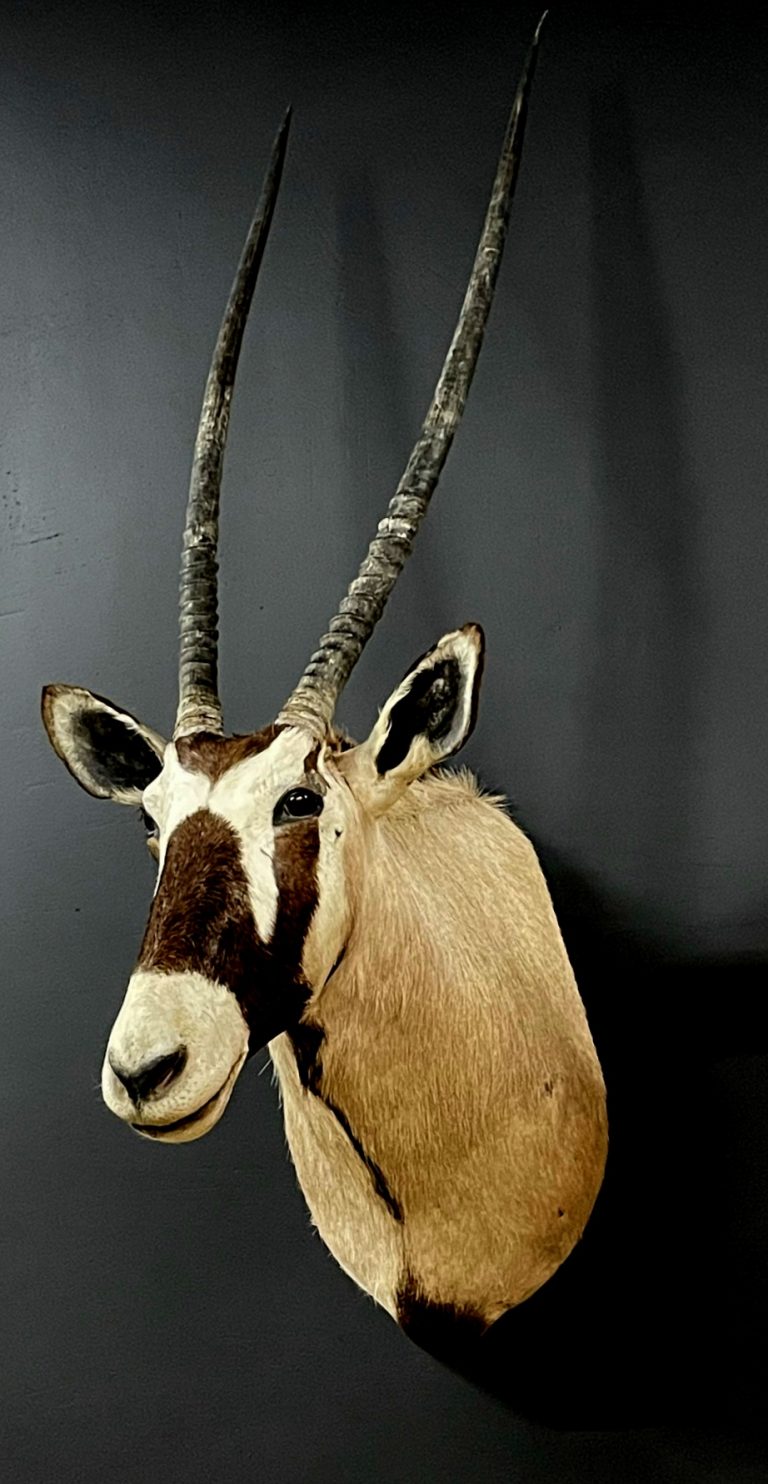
x=199, y=706
x=312, y=703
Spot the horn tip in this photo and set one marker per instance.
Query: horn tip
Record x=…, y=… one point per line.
x=281, y=141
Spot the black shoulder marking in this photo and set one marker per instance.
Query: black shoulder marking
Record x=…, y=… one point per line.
x=307, y=1041
x=427, y=707
x=380, y=1184
x=340, y=956
x=447, y=1331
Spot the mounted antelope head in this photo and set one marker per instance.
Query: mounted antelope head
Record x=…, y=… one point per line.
x=384, y=928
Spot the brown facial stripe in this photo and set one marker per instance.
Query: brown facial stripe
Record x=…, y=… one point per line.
x=307, y=1041
x=201, y=919
x=295, y=865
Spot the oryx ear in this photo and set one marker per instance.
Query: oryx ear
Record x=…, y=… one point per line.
x=108, y=751
x=425, y=720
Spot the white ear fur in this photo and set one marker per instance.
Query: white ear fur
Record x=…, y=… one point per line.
x=425, y=720
x=108, y=752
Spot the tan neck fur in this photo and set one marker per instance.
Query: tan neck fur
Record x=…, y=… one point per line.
x=456, y=1044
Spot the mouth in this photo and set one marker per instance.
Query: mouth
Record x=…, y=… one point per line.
x=202, y=1115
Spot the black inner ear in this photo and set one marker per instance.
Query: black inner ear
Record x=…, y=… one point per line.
x=113, y=756
x=427, y=708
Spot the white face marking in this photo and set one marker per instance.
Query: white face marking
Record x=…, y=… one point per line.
x=246, y=798
x=163, y=1011
x=171, y=797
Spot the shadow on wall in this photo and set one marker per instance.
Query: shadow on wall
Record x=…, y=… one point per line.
x=659, y=1315
x=639, y=724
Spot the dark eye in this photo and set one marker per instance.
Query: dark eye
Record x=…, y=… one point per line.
x=152, y=831
x=298, y=803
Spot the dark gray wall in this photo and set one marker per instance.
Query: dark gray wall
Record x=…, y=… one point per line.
x=167, y=1313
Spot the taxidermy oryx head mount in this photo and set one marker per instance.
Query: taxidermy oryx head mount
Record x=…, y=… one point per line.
x=379, y=923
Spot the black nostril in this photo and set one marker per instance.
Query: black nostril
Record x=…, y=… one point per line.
x=155, y=1076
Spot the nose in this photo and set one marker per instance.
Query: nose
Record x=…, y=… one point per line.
x=153, y=1076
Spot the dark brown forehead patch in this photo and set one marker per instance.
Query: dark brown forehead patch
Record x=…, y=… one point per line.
x=213, y=756
x=201, y=912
